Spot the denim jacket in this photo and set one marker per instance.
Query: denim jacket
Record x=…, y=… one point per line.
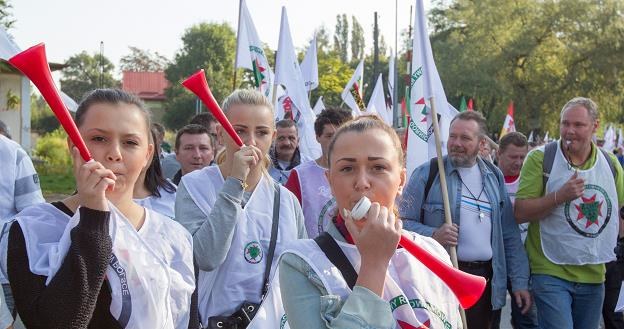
x=509, y=258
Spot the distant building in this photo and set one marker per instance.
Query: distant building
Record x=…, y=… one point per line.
x=150, y=87
x=15, y=92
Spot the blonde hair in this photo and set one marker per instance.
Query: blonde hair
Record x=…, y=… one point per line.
x=247, y=97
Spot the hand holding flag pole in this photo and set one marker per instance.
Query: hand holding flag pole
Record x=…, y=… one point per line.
x=197, y=84
x=34, y=64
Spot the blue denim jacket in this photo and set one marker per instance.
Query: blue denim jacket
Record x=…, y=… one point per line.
x=508, y=255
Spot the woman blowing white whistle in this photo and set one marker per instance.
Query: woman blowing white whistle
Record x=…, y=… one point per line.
x=353, y=276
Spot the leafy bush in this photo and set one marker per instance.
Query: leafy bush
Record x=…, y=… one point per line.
x=51, y=153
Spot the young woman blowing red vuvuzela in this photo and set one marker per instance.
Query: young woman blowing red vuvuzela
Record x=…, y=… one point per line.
x=97, y=259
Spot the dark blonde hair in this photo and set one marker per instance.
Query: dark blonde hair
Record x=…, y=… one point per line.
x=363, y=124
x=246, y=97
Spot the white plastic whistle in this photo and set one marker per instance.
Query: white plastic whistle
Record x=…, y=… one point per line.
x=361, y=208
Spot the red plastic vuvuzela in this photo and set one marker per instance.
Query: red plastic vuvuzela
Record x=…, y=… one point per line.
x=34, y=64
x=199, y=86
x=467, y=288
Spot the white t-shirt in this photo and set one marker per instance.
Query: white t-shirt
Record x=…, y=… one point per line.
x=475, y=224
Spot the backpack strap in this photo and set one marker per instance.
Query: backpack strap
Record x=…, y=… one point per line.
x=550, y=150
x=273, y=241
x=433, y=172
x=611, y=166
x=336, y=256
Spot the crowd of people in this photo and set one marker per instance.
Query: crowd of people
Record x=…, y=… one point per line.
x=214, y=235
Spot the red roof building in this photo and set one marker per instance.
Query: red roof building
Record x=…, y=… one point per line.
x=149, y=86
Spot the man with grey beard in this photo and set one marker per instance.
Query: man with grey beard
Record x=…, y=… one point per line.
x=483, y=230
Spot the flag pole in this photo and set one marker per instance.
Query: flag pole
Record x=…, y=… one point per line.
x=240, y=6
x=438, y=146
x=443, y=187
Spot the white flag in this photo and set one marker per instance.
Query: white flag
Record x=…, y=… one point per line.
x=425, y=83
x=377, y=103
x=352, y=94
x=309, y=67
x=620, y=143
x=250, y=54
x=8, y=48
x=610, y=139
x=319, y=106
x=288, y=74
x=531, y=140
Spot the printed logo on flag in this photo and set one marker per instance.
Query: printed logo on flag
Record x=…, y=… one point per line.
x=589, y=214
x=417, y=74
x=260, y=74
x=355, y=92
x=422, y=309
x=253, y=252
x=419, y=128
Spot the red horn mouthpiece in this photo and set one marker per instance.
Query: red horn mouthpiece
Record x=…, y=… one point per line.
x=34, y=64
x=197, y=84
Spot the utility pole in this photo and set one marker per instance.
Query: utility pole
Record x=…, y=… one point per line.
x=101, y=64
x=375, y=52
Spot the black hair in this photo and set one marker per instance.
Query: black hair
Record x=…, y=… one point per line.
x=4, y=130
x=154, y=177
x=110, y=96
x=331, y=116
x=193, y=129
x=203, y=119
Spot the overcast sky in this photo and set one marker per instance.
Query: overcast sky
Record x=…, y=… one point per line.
x=70, y=26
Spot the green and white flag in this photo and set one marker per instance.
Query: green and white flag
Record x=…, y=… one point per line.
x=425, y=83
x=250, y=53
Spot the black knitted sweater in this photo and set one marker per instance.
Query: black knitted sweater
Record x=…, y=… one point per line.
x=79, y=295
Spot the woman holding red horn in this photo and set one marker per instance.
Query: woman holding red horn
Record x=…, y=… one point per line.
x=98, y=259
x=353, y=276
x=239, y=218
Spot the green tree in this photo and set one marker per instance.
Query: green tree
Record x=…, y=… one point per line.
x=322, y=39
x=341, y=37
x=140, y=60
x=537, y=53
x=84, y=72
x=42, y=119
x=6, y=18
x=208, y=46
x=357, y=40
x=333, y=76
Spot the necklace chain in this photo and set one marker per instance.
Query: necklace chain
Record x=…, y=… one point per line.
x=476, y=198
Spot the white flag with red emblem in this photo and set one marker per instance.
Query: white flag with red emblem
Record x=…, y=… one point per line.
x=352, y=93
x=295, y=99
x=509, y=125
x=250, y=53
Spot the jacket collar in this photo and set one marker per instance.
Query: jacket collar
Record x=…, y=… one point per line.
x=483, y=167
